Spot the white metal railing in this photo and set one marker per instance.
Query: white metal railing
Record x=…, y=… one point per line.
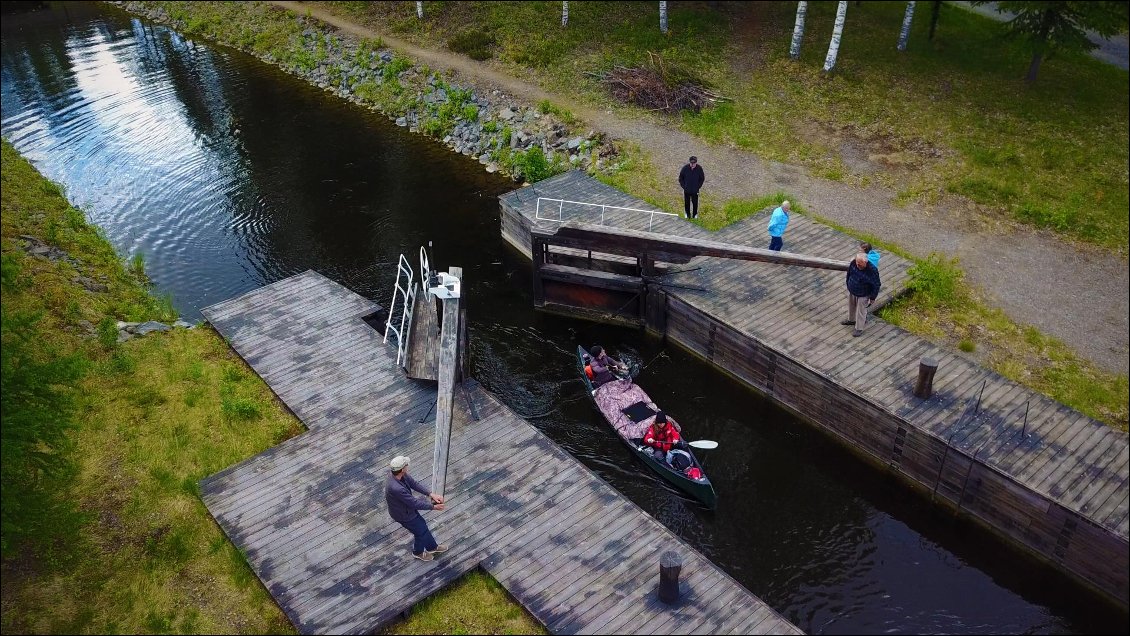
x=407, y=294
x=560, y=205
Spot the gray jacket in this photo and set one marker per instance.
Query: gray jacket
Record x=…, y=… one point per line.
x=403, y=506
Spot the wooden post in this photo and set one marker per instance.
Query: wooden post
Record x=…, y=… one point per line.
x=448, y=373
x=670, y=565
x=538, y=252
x=924, y=388
x=656, y=318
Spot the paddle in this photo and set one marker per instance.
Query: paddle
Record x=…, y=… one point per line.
x=704, y=444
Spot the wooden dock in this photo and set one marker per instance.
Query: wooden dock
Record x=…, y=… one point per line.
x=1033, y=471
x=310, y=516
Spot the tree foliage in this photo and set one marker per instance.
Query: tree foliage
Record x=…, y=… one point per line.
x=1052, y=27
x=36, y=414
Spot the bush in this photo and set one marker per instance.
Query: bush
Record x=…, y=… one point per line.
x=475, y=44
x=937, y=281
x=533, y=165
x=393, y=69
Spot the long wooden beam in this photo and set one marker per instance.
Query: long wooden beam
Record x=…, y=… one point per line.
x=672, y=249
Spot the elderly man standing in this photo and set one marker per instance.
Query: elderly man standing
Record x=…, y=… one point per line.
x=863, y=287
x=778, y=222
x=404, y=508
x=691, y=178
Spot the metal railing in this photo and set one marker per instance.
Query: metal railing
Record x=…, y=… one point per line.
x=407, y=293
x=603, y=210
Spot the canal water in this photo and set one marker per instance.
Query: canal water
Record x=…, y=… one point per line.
x=227, y=174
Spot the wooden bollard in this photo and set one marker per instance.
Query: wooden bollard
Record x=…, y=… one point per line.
x=670, y=565
x=924, y=388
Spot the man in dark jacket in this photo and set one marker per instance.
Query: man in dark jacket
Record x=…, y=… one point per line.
x=691, y=178
x=863, y=287
x=404, y=508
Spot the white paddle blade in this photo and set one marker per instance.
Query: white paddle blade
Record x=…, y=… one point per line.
x=704, y=444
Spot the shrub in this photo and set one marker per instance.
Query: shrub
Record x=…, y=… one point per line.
x=533, y=165
x=966, y=345
x=470, y=112
x=937, y=281
x=475, y=44
x=393, y=69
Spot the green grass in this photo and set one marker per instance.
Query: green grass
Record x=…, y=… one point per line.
x=476, y=604
x=953, y=115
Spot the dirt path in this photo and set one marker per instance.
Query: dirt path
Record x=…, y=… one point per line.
x=1078, y=294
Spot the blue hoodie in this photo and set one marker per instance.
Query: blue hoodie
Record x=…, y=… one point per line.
x=873, y=257
x=778, y=222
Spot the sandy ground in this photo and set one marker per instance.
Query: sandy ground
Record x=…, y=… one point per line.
x=1076, y=293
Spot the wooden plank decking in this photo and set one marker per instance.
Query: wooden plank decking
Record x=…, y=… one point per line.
x=1031, y=443
x=310, y=513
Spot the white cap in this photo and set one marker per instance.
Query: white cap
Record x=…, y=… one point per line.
x=398, y=463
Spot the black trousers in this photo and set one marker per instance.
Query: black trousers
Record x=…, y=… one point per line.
x=688, y=199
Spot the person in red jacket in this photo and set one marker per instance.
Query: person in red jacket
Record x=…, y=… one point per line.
x=662, y=436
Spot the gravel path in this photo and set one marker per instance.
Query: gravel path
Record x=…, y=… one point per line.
x=1077, y=293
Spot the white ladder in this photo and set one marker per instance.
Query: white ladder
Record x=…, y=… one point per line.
x=407, y=293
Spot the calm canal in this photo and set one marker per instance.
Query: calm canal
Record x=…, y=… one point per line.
x=228, y=174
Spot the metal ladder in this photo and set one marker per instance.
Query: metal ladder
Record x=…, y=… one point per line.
x=407, y=293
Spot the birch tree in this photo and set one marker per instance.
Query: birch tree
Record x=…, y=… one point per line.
x=798, y=29
x=564, y=13
x=837, y=32
x=420, y=10
x=663, y=17
x=907, y=18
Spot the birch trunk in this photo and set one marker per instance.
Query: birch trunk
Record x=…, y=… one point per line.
x=564, y=13
x=837, y=32
x=798, y=29
x=663, y=17
x=907, y=18
x=420, y=10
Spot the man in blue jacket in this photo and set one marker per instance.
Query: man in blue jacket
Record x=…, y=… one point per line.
x=863, y=287
x=691, y=178
x=404, y=508
x=778, y=222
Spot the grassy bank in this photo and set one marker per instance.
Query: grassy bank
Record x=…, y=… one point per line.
x=951, y=116
x=112, y=537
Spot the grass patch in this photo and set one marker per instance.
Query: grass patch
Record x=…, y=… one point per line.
x=476, y=44
x=130, y=549
x=932, y=118
x=476, y=604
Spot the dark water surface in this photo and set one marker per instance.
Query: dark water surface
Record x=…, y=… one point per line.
x=228, y=174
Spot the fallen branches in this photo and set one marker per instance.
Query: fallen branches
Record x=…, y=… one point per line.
x=657, y=87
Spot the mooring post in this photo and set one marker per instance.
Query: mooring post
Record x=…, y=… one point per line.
x=448, y=374
x=924, y=388
x=670, y=565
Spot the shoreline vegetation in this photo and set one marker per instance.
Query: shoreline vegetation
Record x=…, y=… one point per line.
x=940, y=307
x=105, y=440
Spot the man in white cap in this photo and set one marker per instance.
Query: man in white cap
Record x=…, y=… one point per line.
x=404, y=508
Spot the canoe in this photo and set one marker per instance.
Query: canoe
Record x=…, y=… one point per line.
x=701, y=489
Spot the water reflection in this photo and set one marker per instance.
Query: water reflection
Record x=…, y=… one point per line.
x=228, y=174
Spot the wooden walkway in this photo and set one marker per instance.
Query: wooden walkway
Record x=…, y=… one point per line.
x=310, y=515
x=1036, y=446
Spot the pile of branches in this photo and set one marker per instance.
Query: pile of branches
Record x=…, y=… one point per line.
x=658, y=87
